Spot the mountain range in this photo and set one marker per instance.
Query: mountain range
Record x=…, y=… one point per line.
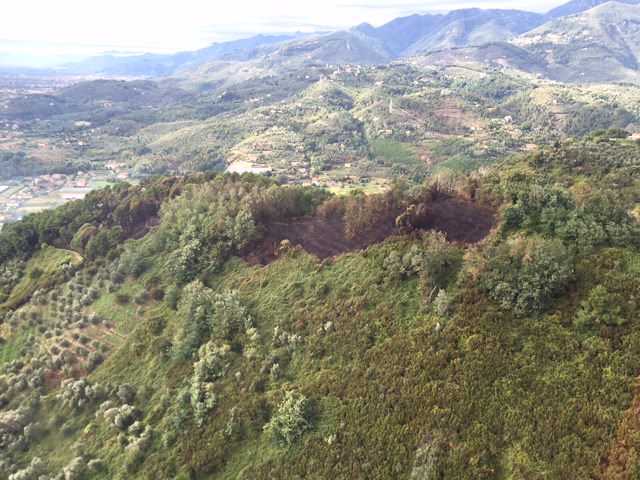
x=581, y=32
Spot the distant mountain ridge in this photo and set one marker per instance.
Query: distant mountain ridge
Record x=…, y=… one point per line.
x=575, y=7
x=149, y=64
x=601, y=44
x=423, y=33
x=596, y=46
x=609, y=40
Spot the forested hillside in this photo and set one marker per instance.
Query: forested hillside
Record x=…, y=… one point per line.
x=180, y=328
x=352, y=126
x=409, y=251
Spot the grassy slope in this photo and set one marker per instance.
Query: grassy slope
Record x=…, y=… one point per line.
x=50, y=261
x=548, y=395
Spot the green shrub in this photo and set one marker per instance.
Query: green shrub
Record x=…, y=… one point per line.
x=442, y=304
x=104, y=242
x=157, y=294
x=290, y=421
x=213, y=362
x=77, y=394
x=229, y=316
x=194, y=311
x=35, y=273
x=34, y=471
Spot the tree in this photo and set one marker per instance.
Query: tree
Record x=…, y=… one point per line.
x=103, y=242
x=442, y=303
x=525, y=273
x=599, y=308
x=229, y=315
x=194, y=310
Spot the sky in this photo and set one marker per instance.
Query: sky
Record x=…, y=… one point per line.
x=39, y=32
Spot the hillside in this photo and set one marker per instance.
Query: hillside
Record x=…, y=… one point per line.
x=342, y=126
x=183, y=339
x=405, y=252
x=475, y=27
x=423, y=33
x=602, y=44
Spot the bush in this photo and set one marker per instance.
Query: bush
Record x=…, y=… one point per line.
x=432, y=261
x=213, y=362
x=35, y=273
x=229, y=316
x=126, y=393
x=77, y=394
x=75, y=470
x=290, y=421
x=93, y=360
x=121, y=417
x=172, y=296
x=141, y=298
x=96, y=465
x=122, y=298
x=34, y=471
x=442, y=304
x=156, y=294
